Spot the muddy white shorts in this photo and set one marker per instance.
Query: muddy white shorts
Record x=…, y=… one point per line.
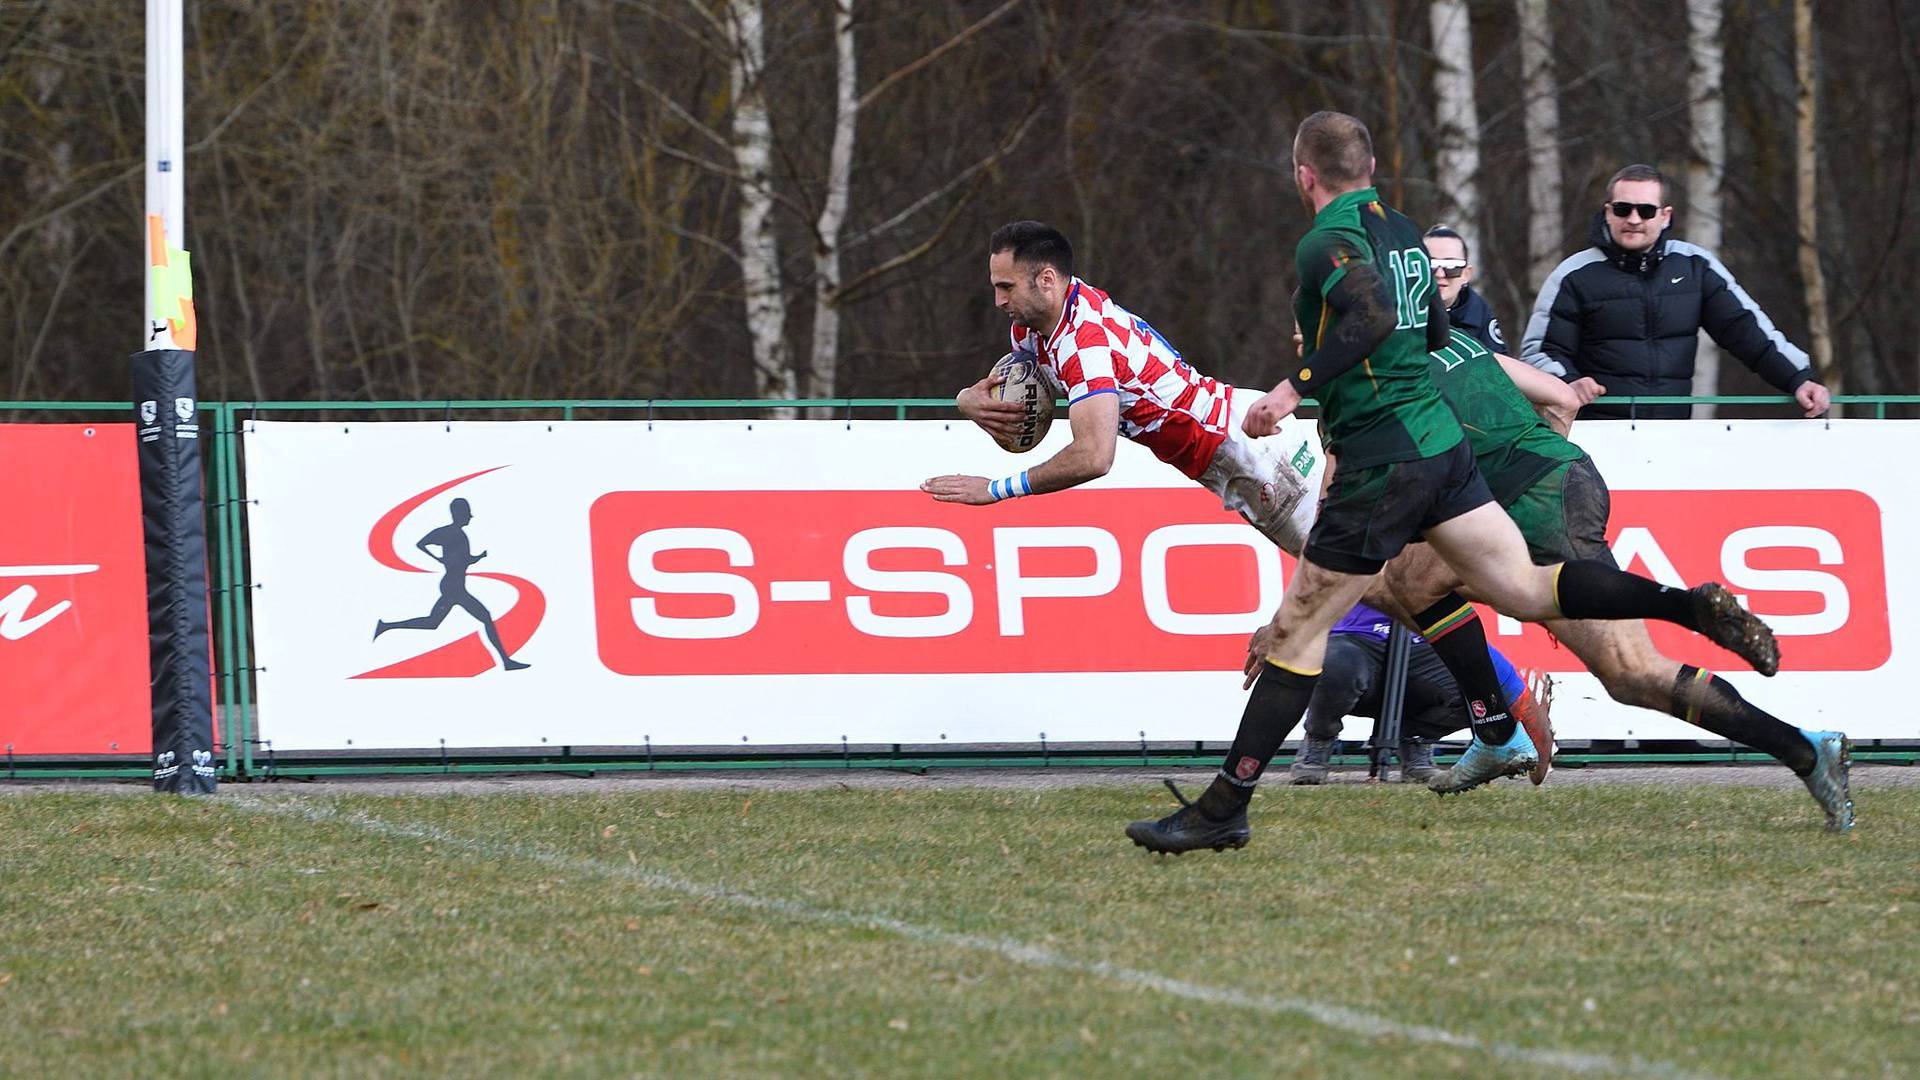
x=1273, y=482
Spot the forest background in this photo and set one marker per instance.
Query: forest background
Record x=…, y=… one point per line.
x=434, y=199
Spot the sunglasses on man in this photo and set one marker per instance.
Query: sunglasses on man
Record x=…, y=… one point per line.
x=1449, y=268
x=1625, y=210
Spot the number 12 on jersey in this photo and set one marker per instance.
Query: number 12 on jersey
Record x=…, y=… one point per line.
x=1412, y=280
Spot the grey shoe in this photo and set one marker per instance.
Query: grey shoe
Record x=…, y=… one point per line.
x=1416, y=761
x=1310, y=764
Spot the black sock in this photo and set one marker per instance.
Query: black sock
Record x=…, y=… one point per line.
x=1279, y=698
x=1453, y=628
x=1593, y=590
x=1704, y=699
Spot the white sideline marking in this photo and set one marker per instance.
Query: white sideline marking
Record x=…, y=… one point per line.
x=1350, y=1021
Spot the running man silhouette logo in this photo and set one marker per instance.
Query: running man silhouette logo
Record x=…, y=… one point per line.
x=449, y=546
x=456, y=554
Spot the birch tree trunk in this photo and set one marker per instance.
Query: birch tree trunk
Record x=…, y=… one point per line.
x=1459, y=119
x=1807, y=171
x=833, y=213
x=753, y=158
x=1707, y=168
x=1546, y=224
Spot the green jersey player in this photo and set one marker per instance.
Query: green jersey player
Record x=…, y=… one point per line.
x=1558, y=499
x=1404, y=470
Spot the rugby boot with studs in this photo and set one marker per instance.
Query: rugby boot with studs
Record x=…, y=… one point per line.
x=1484, y=762
x=1534, y=710
x=1832, y=758
x=1187, y=829
x=1735, y=629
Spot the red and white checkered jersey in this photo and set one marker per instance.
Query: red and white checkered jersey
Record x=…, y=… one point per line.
x=1099, y=347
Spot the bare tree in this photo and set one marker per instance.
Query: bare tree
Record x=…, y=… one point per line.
x=830, y=291
x=745, y=22
x=1454, y=109
x=1545, y=224
x=833, y=211
x=431, y=199
x=1707, y=164
x=1807, y=171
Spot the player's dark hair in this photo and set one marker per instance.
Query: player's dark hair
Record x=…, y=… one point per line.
x=1640, y=172
x=1337, y=146
x=1446, y=232
x=1033, y=245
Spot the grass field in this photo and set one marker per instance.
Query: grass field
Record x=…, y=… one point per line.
x=1369, y=930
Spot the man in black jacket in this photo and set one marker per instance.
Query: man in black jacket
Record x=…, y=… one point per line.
x=1626, y=313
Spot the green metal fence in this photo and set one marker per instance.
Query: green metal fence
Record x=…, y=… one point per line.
x=245, y=756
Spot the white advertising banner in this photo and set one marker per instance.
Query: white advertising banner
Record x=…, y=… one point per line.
x=772, y=583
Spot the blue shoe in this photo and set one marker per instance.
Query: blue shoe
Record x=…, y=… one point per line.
x=1483, y=762
x=1832, y=757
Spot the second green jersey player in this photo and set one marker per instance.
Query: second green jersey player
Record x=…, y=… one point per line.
x=1548, y=485
x=1558, y=499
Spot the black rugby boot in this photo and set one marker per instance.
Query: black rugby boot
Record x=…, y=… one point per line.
x=1187, y=829
x=1720, y=617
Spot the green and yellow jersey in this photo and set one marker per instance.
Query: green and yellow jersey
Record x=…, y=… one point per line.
x=1386, y=409
x=1513, y=446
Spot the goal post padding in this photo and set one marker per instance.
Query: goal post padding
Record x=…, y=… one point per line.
x=173, y=512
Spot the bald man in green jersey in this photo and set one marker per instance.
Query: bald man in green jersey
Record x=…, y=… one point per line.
x=1371, y=314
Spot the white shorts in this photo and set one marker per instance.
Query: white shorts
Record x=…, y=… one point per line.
x=1272, y=482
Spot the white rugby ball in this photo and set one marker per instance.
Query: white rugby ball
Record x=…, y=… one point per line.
x=1028, y=384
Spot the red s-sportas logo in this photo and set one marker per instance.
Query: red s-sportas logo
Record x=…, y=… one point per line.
x=892, y=582
x=1112, y=579
x=448, y=545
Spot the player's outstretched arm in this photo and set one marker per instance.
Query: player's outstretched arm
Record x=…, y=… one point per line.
x=1557, y=402
x=1096, y=432
x=1537, y=386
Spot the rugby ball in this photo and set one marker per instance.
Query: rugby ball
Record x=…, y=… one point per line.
x=1028, y=384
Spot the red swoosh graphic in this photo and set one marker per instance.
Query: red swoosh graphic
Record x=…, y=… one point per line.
x=468, y=656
